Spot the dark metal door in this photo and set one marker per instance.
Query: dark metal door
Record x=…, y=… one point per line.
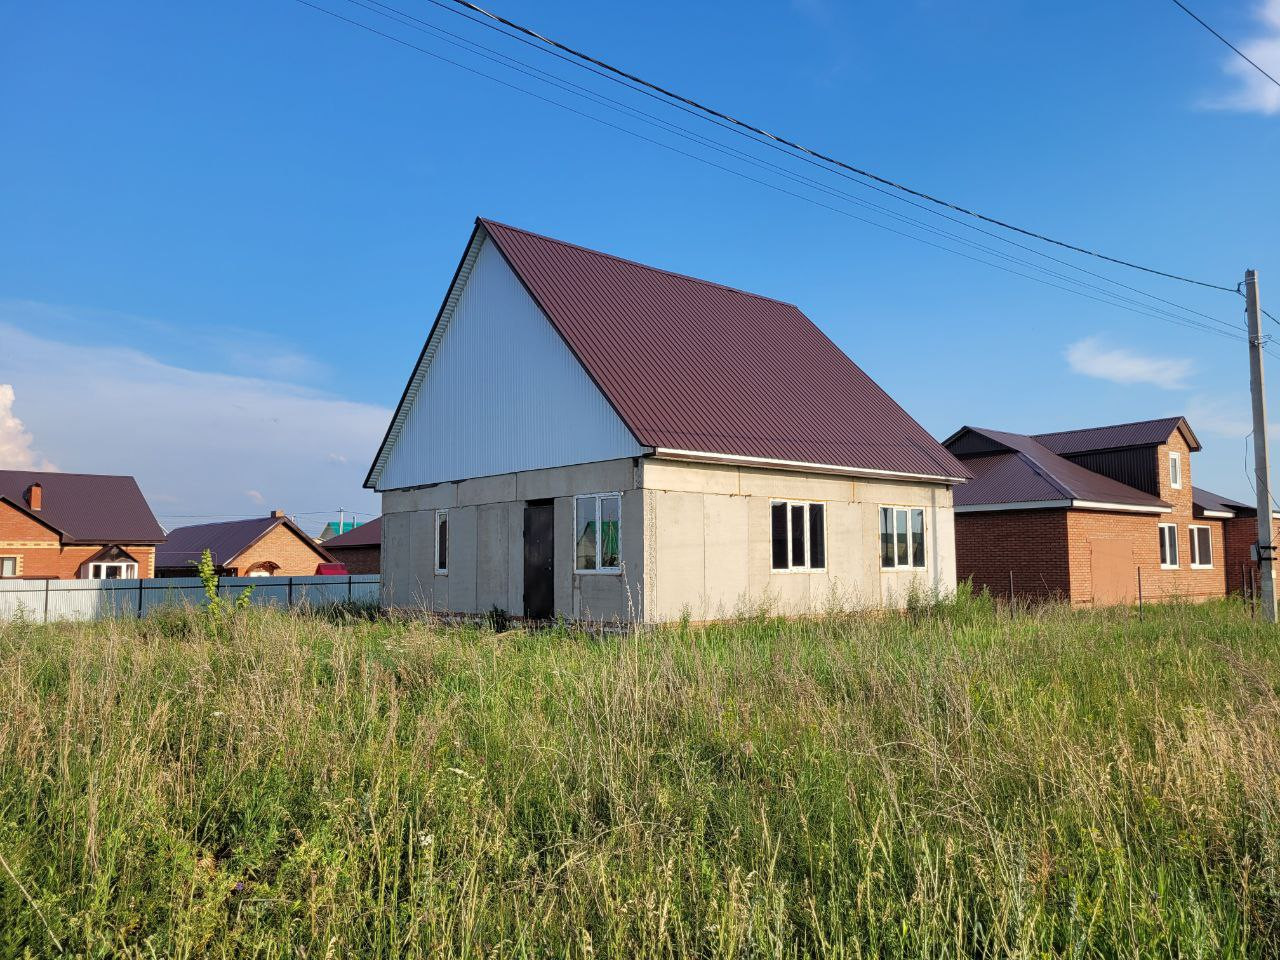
x=539, y=560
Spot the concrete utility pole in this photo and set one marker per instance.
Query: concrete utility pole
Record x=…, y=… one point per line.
x=1261, y=463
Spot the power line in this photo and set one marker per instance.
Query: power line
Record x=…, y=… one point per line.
x=521, y=66
x=1236, y=50
x=711, y=111
x=1107, y=296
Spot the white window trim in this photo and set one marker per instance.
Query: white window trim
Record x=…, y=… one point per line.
x=910, y=564
x=128, y=571
x=1175, y=467
x=826, y=543
x=597, y=497
x=1195, y=547
x=442, y=516
x=1170, y=539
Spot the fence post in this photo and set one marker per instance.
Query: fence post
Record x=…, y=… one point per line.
x=348, y=588
x=46, y=600
x=139, y=598
x=1010, y=588
x=290, y=600
x=1139, y=594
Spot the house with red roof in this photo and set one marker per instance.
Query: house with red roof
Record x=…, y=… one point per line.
x=271, y=546
x=360, y=548
x=1092, y=516
x=587, y=437
x=66, y=526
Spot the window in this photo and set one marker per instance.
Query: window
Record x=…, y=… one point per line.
x=598, y=533
x=1175, y=470
x=113, y=571
x=799, y=535
x=1169, y=545
x=8, y=566
x=442, y=541
x=1201, y=547
x=901, y=537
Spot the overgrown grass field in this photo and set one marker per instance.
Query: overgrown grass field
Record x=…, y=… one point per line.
x=957, y=782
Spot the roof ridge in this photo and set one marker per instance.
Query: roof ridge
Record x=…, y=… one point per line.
x=67, y=473
x=222, y=523
x=636, y=263
x=1106, y=426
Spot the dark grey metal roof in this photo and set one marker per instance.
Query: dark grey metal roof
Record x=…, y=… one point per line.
x=86, y=507
x=1028, y=472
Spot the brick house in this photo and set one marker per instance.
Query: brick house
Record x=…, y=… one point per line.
x=256, y=547
x=66, y=526
x=1083, y=515
x=360, y=548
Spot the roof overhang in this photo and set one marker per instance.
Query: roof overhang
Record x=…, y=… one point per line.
x=1218, y=514
x=1062, y=505
x=705, y=456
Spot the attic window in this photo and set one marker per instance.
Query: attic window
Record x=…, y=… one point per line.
x=1175, y=470
x=8, y=566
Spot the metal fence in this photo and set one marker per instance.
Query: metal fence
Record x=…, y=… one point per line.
x=45, y=601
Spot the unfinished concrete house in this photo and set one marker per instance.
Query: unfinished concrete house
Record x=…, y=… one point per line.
x=588, y=438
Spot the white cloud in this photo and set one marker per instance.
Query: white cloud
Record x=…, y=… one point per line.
x=255, y=496
x=1091, y=358
x=17, y=446
x=195, y=440
x=1252, y=92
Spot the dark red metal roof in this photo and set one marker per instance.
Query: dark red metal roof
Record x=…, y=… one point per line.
x=225, y=541
x=1028, y=472
x=87, y=507
x=1202, y=500
x=366, y=535
x=1144, y=433
x=696, y=366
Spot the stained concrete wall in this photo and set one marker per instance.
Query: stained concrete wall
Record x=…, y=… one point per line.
x=486, y=543
x=708, y=541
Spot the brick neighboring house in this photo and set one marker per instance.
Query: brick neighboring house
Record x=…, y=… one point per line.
x=1075, y=515
x=66, y=526
x=272, y=546
x=359, y=548
x=1240, y=532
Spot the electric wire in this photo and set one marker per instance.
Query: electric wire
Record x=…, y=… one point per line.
x=704, y=108
x=1145, y=309
x=522, y=66
x=1234, y=49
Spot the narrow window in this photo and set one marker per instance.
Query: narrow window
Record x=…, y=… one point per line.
x=917, y=538
x=781, y=554
x=817, y=536
x=1175, y=470
x=442, y=541
x=886, y=537
x=900, y=524
x=598, y=533
x=8, y=566
x=797, y=535
x=1168, y=546
x=1201, y=547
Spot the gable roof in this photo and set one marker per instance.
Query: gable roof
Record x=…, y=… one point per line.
x=702, y=370
x=225, y=541
x=1143, y=433
x=365, y=535
x=1027, y=473
x=86, y=507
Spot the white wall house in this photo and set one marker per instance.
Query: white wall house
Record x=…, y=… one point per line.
x=586, y=437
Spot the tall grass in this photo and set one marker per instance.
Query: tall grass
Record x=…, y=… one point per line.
x=955, y=782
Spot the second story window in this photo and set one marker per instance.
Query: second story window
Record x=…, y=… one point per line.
x=1175, y=470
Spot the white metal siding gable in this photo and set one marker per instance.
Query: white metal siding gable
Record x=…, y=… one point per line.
x=501, y=392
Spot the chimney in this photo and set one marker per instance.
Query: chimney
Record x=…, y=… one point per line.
x=34, y=496
x=277, y=514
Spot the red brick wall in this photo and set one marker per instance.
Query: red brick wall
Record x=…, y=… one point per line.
x=1142, y=533
x=293, y=556
x=40, y=552
x=1241, y=534
x=365, y=559
x=1030, y=543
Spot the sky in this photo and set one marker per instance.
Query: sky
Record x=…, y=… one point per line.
x=225, y=229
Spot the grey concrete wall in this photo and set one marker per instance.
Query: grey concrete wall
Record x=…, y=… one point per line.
x=708, y=541
x=486, y=543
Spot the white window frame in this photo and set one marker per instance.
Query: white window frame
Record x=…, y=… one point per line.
x=17, y=566
x=1169, y=539
x=128, y=571
x=1196, y=559
x=808, y=546
x=1175, y=470
x=442, y=519
x=598, y=498
x=924, y=522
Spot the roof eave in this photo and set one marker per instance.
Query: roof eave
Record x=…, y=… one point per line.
x=1071, y=504
x=705, y=456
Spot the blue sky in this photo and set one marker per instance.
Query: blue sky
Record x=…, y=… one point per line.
x=225, y=228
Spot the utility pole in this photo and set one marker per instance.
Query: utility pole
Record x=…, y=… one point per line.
x=1261, y=463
